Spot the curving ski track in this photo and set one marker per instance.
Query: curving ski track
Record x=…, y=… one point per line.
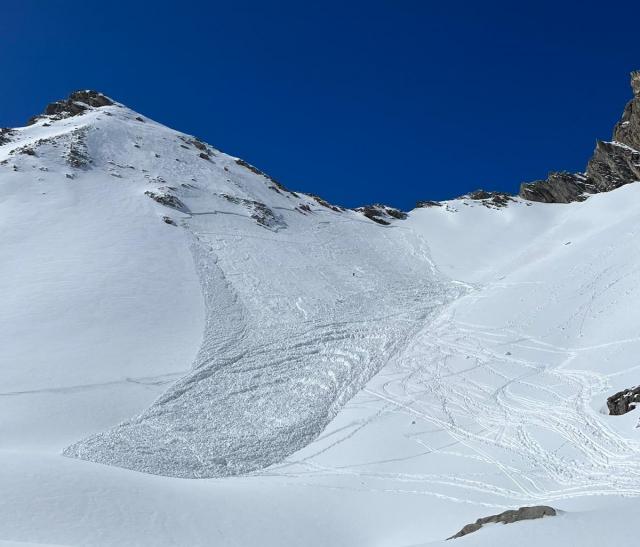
x=512, y=429
x=283, y=350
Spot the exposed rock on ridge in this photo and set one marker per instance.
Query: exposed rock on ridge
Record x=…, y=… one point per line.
x=381, y=213
x=490, y=199
x=77, y=103
x=627, y=129
x=612, y=165
x=559, y=187
x=5, y=135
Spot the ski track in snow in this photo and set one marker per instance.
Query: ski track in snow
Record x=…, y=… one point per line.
x=523, y=430
x=294, y=328
x=319, y=363
x=337, y=354
x=593, y=460
x=299, y=319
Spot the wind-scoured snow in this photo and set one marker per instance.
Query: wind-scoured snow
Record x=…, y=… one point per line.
x=187, y=316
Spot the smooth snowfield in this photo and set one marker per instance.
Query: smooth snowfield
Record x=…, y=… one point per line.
x=222, y=345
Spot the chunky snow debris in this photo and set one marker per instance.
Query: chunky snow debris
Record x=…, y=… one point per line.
x=283, y=351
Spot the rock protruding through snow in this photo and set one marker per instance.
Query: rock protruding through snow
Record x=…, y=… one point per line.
x=77, y=103
x=495, y=200
x=624, y=401
x=508, y=517
x=5, y=135
x=382, y=214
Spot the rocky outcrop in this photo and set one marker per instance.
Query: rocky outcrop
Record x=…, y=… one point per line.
x=205, y=152
x=427, y=203
x=613, y=164
x=559, y=187
x=77, y=154
x=259, y=212
x=490, y=199
x=381, y=213
x=5, y=135
x=508, y=517
x=627, y=130
x=168, y=200
x=77, y=103
x=623, y=401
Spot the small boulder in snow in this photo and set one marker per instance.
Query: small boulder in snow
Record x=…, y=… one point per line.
x=623, y=401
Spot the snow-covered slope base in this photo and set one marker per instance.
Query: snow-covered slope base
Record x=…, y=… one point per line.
x=169, y=309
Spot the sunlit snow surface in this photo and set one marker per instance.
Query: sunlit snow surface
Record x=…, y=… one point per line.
x=223, y=346
x=297, y=322
x=299, y=313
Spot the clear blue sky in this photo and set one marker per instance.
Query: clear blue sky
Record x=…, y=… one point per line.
x=359, y=102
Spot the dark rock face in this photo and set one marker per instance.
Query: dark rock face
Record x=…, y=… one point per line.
x=559, y=187
x=627, y=130
x=92, y=98
x=508, y=517
x=623, y=401
x=168, y=201
x=490, y=199
x=381, y=213
x=427, y=203
x=612, y=165
x=5, y=135
x=77, y=103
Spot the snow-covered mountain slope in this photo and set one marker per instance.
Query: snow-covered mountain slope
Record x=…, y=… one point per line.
x=170, y=309
x=303, y=301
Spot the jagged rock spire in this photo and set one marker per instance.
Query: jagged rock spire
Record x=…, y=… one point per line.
x=613, y=164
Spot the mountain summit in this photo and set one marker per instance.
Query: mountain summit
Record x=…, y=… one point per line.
x=77, y=103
